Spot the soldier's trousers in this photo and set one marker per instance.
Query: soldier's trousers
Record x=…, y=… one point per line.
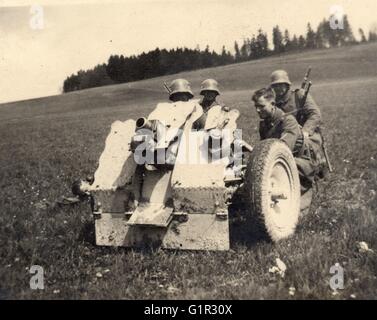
x=306, y=173
x=309, y=161
x=309, y=164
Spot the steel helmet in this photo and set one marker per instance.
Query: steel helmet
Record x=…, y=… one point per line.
x=280, y=76
x=180, y=86
x=209, y=85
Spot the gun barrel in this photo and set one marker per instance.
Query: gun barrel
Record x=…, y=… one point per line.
x=307, y=88
x=328, y=160
x=306, y=84
x=324, y=149
x=167, y=87
x=306, y=77
x=308, y=72
x=143, y=123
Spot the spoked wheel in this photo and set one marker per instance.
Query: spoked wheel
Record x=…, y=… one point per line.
x=274, y=188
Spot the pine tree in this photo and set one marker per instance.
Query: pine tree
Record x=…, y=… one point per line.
x=321, y=38
x=373, y=33
x=277, y=39
x=363, y=39
x=261, y=44
x=237, y=52
x=244, y=51
x=207, y=58
x=226, y=57
x=372, y=36
x=253, y=48
x=342, y=36
x=301, y=42
x=310, y=37
x=347, y=36
x=158, y=62
x=294, y=43
x=287, y=41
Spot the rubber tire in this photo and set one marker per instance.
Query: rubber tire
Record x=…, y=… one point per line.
x=271, y=156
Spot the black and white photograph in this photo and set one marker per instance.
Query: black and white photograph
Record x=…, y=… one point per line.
x=188, y=150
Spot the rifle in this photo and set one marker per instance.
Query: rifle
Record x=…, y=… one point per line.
x=306, y=79
x=167, y=87
x=306, y=84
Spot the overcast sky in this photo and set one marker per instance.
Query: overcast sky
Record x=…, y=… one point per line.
x=78, y=34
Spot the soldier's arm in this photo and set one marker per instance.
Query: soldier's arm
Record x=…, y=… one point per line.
x=262, y=130
x=311, y=113
x=290, y=131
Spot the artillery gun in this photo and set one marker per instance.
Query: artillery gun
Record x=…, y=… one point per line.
x=161, y=183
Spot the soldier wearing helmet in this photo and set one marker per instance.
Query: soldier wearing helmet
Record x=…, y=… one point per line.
x=308, y=116
x=209, y=89
x=180, y=90
x=277, y=124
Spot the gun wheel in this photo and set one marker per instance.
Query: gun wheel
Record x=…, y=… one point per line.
x=273, y=187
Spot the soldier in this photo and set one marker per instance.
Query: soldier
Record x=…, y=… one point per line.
x=276, y=124
x=209, y=89
x=180, y=90
x=308, y=116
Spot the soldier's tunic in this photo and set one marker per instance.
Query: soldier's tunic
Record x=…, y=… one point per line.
x=286, y=128
x=308, y=116
x=200, y=123
x=283, y=127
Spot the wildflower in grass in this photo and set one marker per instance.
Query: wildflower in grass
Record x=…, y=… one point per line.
x=279, y=269
x=363, y=247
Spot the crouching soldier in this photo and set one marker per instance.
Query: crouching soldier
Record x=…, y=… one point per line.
x=307, y=114
x=276, y=124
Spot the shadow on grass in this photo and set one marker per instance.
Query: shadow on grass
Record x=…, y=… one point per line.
x=242, y=228
x=87, y=233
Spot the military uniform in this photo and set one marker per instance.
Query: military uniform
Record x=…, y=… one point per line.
x=200, y=123
x=308, y=116
x=283, y=127
x=206, y=106
x=207, y=85
x=310, y=160
x=306, y=152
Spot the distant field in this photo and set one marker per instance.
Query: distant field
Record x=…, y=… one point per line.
x=46, y=143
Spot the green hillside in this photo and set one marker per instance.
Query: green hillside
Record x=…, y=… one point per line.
x=328, y=65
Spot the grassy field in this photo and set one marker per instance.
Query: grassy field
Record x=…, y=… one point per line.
x=47, y=143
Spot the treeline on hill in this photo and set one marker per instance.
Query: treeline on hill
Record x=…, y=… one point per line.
x=120, y=69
